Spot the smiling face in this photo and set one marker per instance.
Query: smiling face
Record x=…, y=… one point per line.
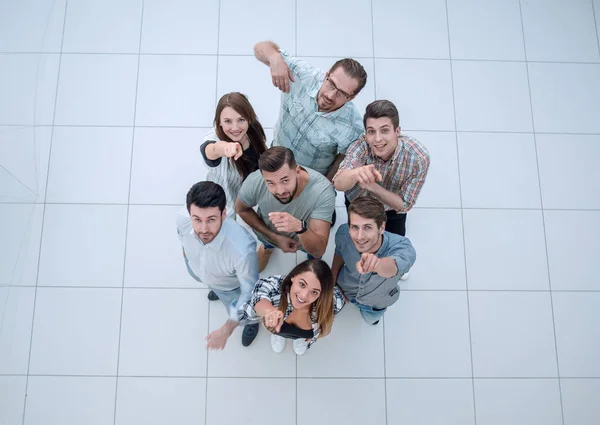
x=282, y=183
x=382, y=137
x=305, y=289
x=206, y=222
x=234, y=125
x=337, y=89
x=365, y=234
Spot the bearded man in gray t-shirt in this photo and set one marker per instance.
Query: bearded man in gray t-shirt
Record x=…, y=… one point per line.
x=295, y=205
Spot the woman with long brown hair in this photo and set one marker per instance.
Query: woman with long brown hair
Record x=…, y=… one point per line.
x=233, y=147
x=298, y=306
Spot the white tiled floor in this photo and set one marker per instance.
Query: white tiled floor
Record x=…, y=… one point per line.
x=102, y=108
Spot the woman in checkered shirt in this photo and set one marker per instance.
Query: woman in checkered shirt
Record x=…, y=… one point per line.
x=298, y=306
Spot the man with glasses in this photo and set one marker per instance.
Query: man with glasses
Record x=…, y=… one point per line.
x=317, y=119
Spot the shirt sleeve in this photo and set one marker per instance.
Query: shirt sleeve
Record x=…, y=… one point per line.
x=248, y=193
x=339, y=237
x=354, y=133
x=184, y=223
x=301, y=69
x=325, y=206
x=411, y=189
x=354, y=156
x=404, y=255
x=207, y=160
x=247, y=274
x=338, y=300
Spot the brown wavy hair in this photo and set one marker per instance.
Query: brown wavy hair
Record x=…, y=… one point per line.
x=323, y=306
x=256, y=134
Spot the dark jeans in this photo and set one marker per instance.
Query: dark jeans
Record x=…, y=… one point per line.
x=396, y=223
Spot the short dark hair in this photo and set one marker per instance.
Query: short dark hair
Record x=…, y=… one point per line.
x=353, y=69
x=368, y=207
x=206, y=195
x=382, y=109
x=276, y=157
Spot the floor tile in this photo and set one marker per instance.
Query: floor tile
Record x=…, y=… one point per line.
x=420, y=89
x=257, y=360
x=498, y=170
x=111, y=26
x=442, y=187
x=506, y=249
x=367, y=94
x=91, y=256
x=518, y=401
x=577, y=323
x=163, y=265
x=282, y=412
x=561, y=193
x=80, y=159
x=491, y=96
x=328, y=357
x=486, y=30
x=102, y=86
x=177, y=150
x=423, y=34
x=16, y=317
x=170, y=92
x=573, y=239
x=12, y=399
x=272, y=20
x=367, y=396
x=61, y=400
x=24, y=156
x=559, y=31
x=76, y=331
x=437, y=236
x=430, y=401
x=21, y=230
x=333, y=19
x=160, y=401
x=162, y=332
x=254, y=82
x=31, y=26
x=173, y=27
x=514, y=327
x=563, y=97
x=28, y=88
x=581, y=401
x=427, y=335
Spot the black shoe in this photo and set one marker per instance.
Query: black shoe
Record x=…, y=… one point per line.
x=375, y=323
x=212, y=296
x=249, y=333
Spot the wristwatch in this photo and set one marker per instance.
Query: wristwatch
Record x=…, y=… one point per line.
x=304, y=228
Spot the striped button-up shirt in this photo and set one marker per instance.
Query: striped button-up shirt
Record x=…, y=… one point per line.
x=315, y=137
x=403, y=174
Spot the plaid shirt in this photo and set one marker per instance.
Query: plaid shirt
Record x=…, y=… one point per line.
x=404, y=174
x=270, y=289
x=315, y=137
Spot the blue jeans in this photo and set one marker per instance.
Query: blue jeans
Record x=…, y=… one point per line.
x=369, y=314
x=269, y=246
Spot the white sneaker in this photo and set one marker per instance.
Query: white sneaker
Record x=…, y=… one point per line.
x=277, y=343
x=300, y=346
x=405, y=276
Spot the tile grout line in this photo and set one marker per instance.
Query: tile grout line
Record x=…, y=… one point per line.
x=137, y=82
x=296, y=43
x=462, y=217
x=543, y=215
x=37, y=277
x=596, y=25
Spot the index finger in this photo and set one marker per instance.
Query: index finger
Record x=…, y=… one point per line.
x=378, y=175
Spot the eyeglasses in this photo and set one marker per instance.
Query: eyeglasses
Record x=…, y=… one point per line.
x=330, y=85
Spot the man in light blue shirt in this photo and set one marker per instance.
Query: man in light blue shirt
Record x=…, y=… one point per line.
x=220, y=253
x=317, y=119
x=368, y=261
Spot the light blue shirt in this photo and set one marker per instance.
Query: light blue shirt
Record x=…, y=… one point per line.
x=371, y=289
x=315, y=137
x=226, y=263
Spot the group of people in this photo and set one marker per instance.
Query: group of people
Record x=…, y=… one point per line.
x=286, y=195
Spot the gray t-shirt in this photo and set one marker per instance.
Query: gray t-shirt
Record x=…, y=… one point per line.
x=317, y=200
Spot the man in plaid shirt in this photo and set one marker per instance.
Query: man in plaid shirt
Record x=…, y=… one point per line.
x=317, y=118
x=385, y=164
